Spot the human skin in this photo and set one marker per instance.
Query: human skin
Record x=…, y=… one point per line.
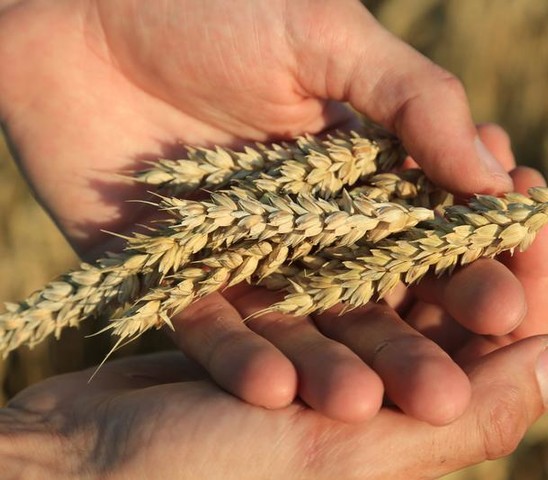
x=94, y=87
x=161, y=417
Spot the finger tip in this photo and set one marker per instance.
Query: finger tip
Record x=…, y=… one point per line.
x=526, y=177
x=426, y=384
x=486, y=298
x=267, y=379
x=352, y=393
x=274, y=385
x=441, y=402
x=492, y=171
x=355, y=402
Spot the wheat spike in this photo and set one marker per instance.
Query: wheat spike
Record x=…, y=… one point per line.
x=345, y=243
x=354, y=275
x=200, y=278
x=230, y=216
x=95, y=289
x=307, y=165
x=351, y=275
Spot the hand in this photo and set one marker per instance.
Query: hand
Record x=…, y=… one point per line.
x=492, y=284
x=160, y=417
x=94, y=87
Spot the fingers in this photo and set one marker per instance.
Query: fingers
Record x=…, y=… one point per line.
x=497, y=140
x=526, y=264
x=506, y=400
x=484, y=297
x=489, y=296
x=531, y=270
x=213, y=333
x=509, y=394
x=531, y=267
x=391, y=83
x=418, y=376
x=435, y=323
x=332, y=379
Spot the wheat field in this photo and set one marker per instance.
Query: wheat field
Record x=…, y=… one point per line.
x=500, y=52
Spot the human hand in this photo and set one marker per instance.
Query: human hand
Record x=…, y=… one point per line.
x=131, y=80
x=159, y=416
x=530, y=268
x=128, y=79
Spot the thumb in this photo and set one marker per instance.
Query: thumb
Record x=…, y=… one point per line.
x=345, y=55
x=509, y=388
x=509, y=393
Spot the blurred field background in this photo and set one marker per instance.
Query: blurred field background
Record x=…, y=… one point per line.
x=500, y=51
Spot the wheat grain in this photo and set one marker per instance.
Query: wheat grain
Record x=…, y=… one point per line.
x=308, y=164
x=409, y=187
x=353, y=275
x=348, y=245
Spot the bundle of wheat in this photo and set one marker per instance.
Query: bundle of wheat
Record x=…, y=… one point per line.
x=327, y=221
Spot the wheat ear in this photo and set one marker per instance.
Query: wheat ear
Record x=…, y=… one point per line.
x=311, y=224
x=294, y=227
x=202, y=277
x=308, y=164
x=354, y=275
x=230, y=216
x=93, y=289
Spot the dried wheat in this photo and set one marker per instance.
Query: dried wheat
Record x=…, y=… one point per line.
x=352, y=245
x=205, y=276
x=233, y=215
x=308, y=164
x=353, y=275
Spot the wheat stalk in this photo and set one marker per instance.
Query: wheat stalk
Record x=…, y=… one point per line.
x=354, y=275
x=364, y=240
x=351, y=275
x=307, y=165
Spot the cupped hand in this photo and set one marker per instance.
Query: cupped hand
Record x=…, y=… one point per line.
x=95, y=87
x=161, y=417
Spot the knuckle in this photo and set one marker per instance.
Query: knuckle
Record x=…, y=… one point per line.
x=450, y=84
x=503, y=425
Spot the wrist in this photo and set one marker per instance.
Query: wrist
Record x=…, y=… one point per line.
x=29, y=450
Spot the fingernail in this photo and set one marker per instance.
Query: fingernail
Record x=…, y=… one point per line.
x=542, y=375
x=492, y=165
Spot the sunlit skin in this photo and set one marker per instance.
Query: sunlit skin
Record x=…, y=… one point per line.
x=161, y=417
x=95, y=87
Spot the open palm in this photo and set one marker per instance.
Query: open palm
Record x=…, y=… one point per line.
x=117, y=82
x=160, y=417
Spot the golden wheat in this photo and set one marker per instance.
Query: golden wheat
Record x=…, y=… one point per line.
x=324, y=167
x=353, y=274
x=305, y=165
x=294, y=227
